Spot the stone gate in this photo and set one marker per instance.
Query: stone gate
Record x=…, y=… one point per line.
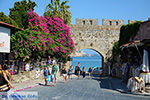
x=87, y=33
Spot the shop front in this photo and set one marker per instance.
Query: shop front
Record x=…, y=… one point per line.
x=135, y=63
x=5, y=52
x=4, y=42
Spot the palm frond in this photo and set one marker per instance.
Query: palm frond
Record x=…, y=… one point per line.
x=64, y=2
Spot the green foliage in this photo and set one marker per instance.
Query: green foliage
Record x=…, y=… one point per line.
x=7, y=19
x=115, y=49
x=19, y=13
x=41, y=67
x=24, y=47
x=59, y=9
x=128, y=32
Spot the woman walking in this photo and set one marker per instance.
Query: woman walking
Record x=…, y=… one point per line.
x=55, y=70
x=83, y=72
x=78, y=71
x=5, y=76
x=64, y=72
x=70, y=71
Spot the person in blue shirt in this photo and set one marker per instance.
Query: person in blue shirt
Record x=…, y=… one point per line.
x=46, y=73
x=70, y=71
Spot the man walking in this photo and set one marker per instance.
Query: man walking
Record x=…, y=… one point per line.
x=55, y=70
x=90, y=72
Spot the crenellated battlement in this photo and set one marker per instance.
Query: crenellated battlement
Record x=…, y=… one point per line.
x=92, y=24
x=110, y=22
x=87, y=33
x=87, y=22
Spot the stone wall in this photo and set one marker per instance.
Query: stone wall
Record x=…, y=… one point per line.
x=86, y=33
x=110, y=22
x=29, y=76
x=26, y=76
x=87, y=22
x=97, y=37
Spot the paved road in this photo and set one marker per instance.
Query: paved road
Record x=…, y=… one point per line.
x=84, y=89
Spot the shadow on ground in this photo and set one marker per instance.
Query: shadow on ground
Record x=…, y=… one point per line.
x=111, y=83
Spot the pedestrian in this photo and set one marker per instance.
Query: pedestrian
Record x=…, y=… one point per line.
x=70, y=71
x=46, y=72
x=78, y=64
x=78, y=71
x=90, y=72
x=55, y=70
x=27, y=66
x=113, y=72
x=64, y=73
x=100, y=72
x=83, y=72
x=5, y=76
x=49, y=60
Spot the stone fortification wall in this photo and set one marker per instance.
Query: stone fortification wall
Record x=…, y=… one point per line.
x=110, y=22
x=86, y=33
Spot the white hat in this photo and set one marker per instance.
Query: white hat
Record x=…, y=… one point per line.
x=54, y=61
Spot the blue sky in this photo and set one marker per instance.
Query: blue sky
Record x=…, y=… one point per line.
x=108, y=9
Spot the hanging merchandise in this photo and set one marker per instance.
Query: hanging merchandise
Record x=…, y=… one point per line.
x=126, y=72
x=145, y=65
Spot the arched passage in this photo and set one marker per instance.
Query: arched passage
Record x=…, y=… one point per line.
x=90, y=58
x=102, y=57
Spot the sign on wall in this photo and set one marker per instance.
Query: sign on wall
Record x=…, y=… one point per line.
x=4, y=40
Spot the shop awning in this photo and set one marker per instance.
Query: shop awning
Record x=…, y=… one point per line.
x=132, y=44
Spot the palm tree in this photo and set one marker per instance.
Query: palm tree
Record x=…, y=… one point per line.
x=59, y=9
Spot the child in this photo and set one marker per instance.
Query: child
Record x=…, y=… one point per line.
x=46, y=73
x=70, y=70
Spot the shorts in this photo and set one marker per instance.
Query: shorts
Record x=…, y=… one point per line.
x=45, y=77
x=69, y=73
x=78, y=72
x=64, y=74
x=90, y=73
x=54, y=76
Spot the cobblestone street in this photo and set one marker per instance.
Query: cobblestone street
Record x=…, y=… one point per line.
x=84, y=89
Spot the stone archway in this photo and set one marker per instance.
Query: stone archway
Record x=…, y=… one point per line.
x=102, y=57
x=100, y=38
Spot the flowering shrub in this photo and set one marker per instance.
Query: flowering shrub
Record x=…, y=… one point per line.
x=45, y=35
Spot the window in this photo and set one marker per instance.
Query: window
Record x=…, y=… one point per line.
x=84, y=22
x=91, y=22
x=91, y=44
x=116, y=23
x=110, y=22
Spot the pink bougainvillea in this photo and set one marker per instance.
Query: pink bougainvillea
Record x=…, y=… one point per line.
x=44, y=35
x=55, y=28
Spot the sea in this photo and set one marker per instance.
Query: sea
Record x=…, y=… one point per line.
x=87, y=61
